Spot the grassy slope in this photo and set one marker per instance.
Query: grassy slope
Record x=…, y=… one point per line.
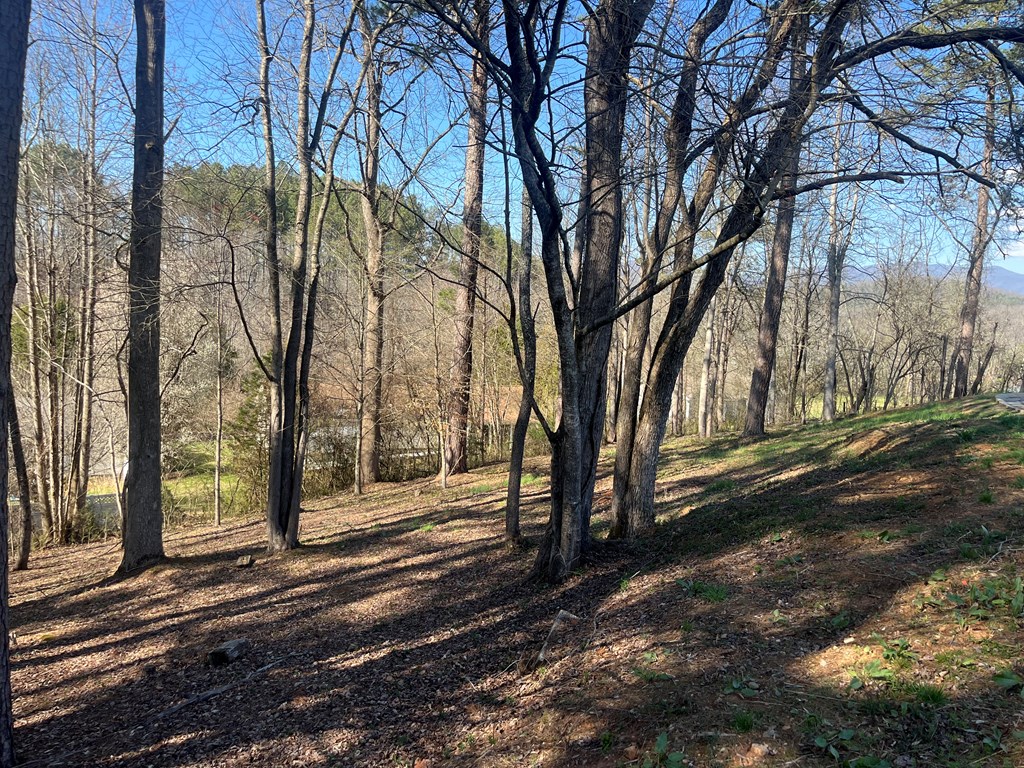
x=841, y=594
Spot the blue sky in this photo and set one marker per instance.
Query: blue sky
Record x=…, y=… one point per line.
x=202, y=36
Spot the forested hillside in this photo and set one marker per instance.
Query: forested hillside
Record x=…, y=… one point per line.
x=450, y=315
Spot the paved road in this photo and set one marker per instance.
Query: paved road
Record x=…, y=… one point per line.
x=1014, y=400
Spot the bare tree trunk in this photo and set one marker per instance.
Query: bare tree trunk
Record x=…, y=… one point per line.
x=979, y=378
x=656, y=246
x=142, y=539
x=286, y=526
x=219, y=437
x=372, y=374
x=78, y=486
x=275, y=445
x=24, y=489
x=771, y=313
x=943, y=356
x=457, y=460
x=613, y=27
x=513, y=536
x=837, y=246
x=308, y=334
x=706, y=377
x=976, y=264
x=41, y=465
x=13, y=47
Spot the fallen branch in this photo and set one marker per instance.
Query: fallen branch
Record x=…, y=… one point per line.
x=213, y=692
x=530, y=663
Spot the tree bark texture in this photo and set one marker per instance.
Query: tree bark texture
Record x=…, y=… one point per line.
x=529, y=354
x=143, y=521
x=457, y=459
x=613, y=29
x=372, y=378
x=275, y=537
x=14, y=19
x=771, y=312
x=684, y=312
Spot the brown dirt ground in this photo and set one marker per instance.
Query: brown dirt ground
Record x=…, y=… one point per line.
x=398, y=634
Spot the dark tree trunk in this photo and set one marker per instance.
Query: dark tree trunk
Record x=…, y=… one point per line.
x=275, y=539
x=143, y=519
x=979, y=377
x=13, y=48
x=583, y=356
x=457, y=458
x=771, y=314
x=285, y=529
x=529, y=356
x=834, y=271
x=613, y=30
x=707, y=377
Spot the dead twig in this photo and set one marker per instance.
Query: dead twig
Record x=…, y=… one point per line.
x=213, y=692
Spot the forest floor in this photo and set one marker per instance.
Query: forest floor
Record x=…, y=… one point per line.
x=835, y=595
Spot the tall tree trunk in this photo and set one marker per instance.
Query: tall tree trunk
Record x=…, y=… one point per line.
x=24, y=489
x=13, y=48
x=979, y=377
x=656, y=245
x=372, y=374
x=513, y=535
x=802, y=329
x=308, y=335
x=142, y=539
x=835, y=260
x=976, y=263
x=41, y=470
x=284, y=529
x=85, y=365
x=219, y=435
x=771, y=313
x=613, y=28
x=685, y=312
x=457, y=460
x=275, y=444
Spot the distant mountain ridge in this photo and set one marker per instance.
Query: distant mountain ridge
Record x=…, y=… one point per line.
x=1003, y=280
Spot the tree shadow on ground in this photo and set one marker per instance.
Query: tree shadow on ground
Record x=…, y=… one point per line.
x=398, y=631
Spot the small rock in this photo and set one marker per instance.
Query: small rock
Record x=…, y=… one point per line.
x=245, y=561
x=422, y=762
x=228, y=652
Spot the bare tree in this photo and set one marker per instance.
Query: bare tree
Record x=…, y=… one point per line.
x=775, y=282
x=964, y=349
x=291, y=352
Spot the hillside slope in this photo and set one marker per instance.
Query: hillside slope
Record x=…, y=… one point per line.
x=843, y=594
